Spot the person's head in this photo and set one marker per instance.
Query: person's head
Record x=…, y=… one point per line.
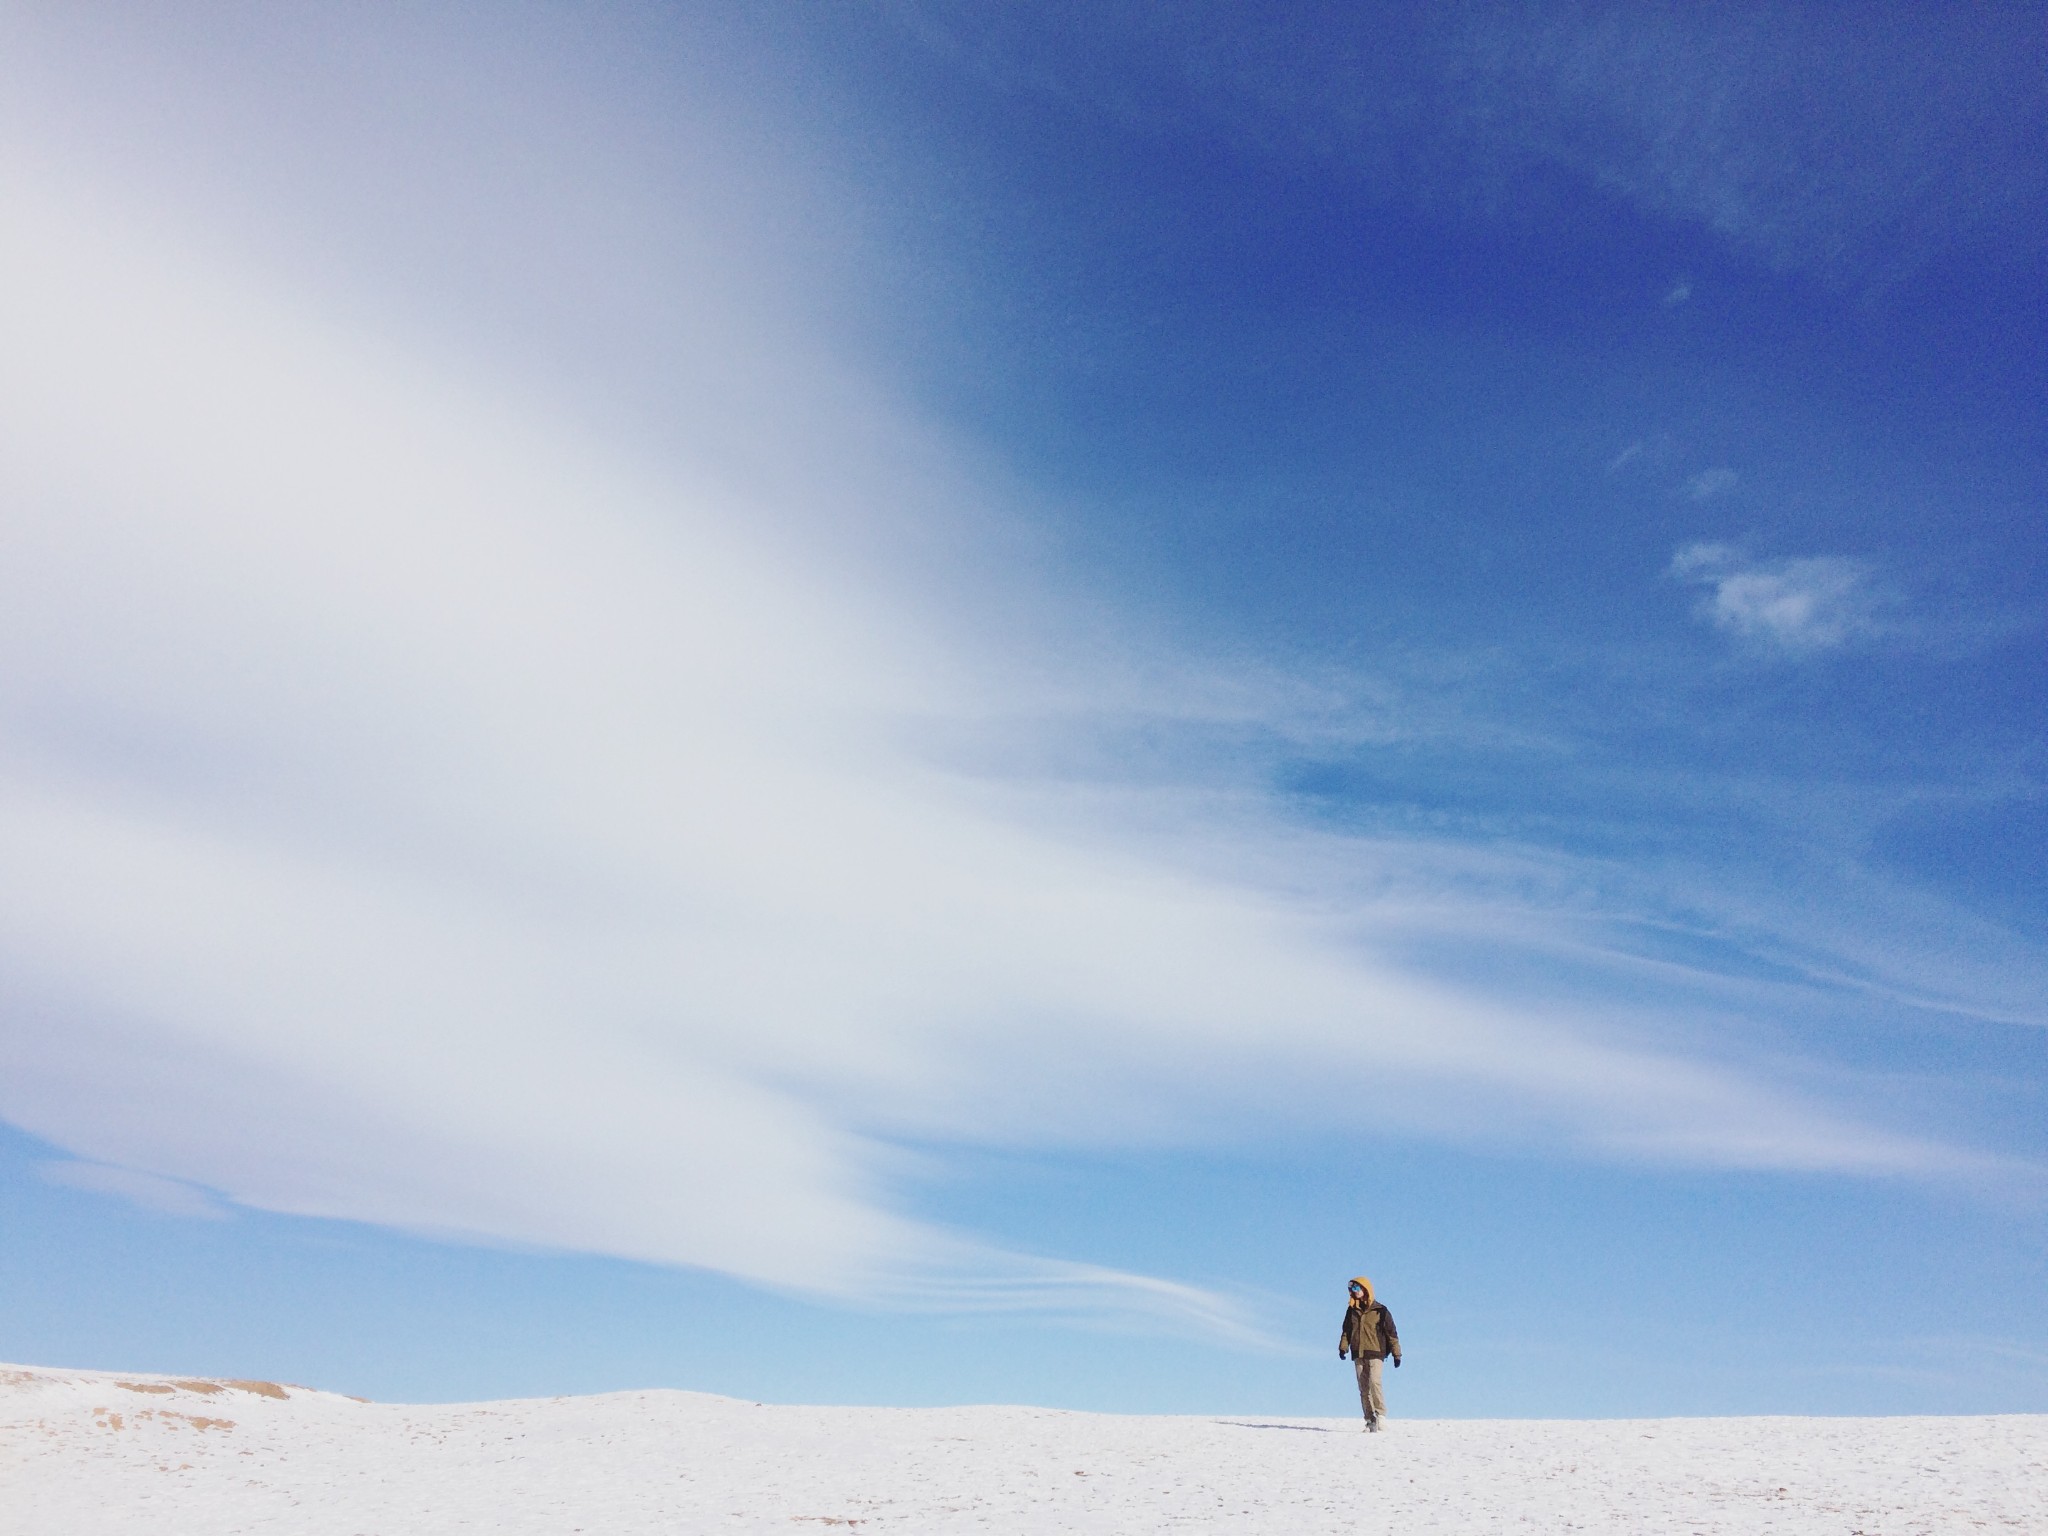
x=1361, y=1290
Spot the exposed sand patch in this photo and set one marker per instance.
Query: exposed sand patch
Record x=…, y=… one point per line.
x=170, y=1417
x=195, y=1421
x=260, y=1388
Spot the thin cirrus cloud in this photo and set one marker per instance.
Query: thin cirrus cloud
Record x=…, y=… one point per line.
x=1710, y=483
x=418, y=811
x=166, y=1197
x=1735, y=121
x=1727, y=120
x=1812, y=604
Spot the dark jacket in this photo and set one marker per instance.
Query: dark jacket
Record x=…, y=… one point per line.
x=1368, y=1333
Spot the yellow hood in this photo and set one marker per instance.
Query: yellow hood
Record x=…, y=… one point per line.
x=1365, y=1301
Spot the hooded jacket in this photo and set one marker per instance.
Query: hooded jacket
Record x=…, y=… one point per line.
x=1368, y=1329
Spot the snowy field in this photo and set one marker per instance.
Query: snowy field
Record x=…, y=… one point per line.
x=83, y=1453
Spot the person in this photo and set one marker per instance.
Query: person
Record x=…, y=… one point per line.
x=1368, y=1337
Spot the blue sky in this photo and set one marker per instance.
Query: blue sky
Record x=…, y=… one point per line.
x=921, y=702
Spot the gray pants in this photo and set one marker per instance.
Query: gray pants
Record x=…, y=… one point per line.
x=1370, y=1396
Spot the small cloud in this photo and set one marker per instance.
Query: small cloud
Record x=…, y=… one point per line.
x=1645, y=452
x=167, y=1197
x=1694, y=558
x=1798, y=605
x=1710, y=483
x=1680, y=292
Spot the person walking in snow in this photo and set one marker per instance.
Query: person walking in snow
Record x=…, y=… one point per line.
x=1367, y=1338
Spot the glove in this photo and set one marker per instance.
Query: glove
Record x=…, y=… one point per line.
x=1342, y=1356
x=1397, y=1362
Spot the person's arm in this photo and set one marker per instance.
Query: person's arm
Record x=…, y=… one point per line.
x=1393, y=1334
x=1344, y=1337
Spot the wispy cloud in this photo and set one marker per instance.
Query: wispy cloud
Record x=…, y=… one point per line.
x=1811, y=604
x=1654, y=451
x=1709, y=483
x=424, y=817
x=167, y=1197
x=418, y=808
x=1814, y=140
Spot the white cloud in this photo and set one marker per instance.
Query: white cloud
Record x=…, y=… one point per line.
x=167, y=1197
x=1709, y=483
x=1678, y=294
x=416, y=809
x=1808, y=604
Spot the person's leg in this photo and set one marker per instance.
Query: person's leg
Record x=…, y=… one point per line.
x=1371, y=1390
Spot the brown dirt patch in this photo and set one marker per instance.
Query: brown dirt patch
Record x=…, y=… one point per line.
x=145, y=1386
x=260, y=1388
x=202, y=1424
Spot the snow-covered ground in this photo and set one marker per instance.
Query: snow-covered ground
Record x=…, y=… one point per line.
x=83, y=1452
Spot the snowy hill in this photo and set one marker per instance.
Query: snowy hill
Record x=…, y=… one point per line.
x=84, y=1453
